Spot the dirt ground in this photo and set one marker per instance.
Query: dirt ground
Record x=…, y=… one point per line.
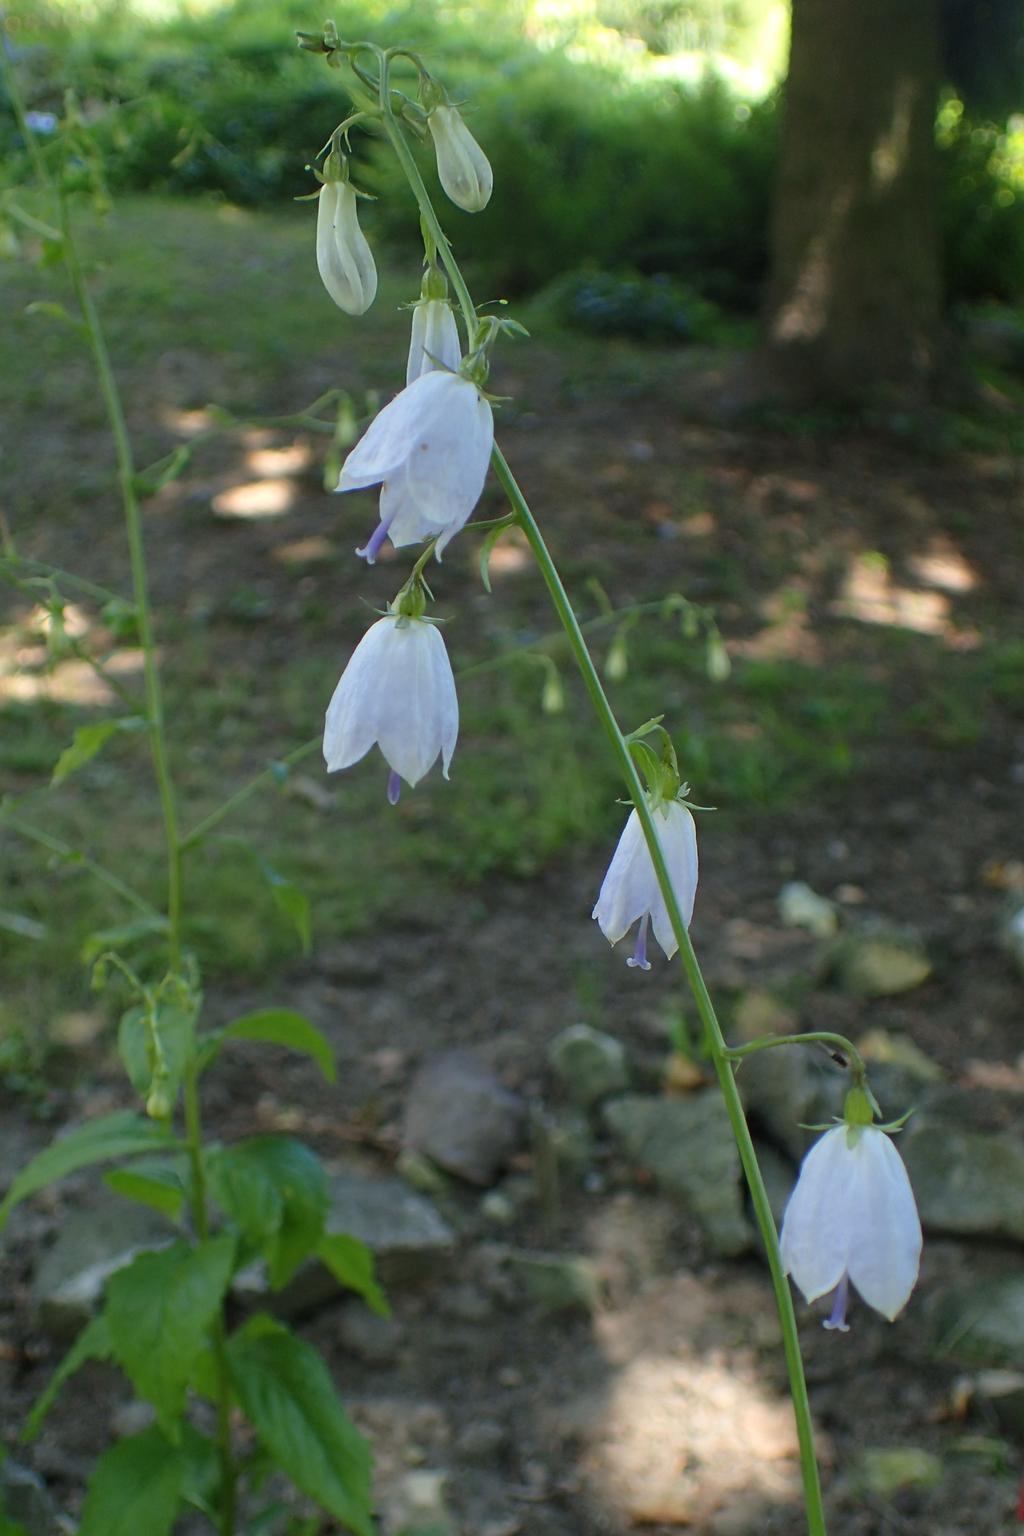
x=666, y=1407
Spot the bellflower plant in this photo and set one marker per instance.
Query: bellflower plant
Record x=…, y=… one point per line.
x=429, y=451
x=852, y=1218
x=343, y=257
x=397, y=691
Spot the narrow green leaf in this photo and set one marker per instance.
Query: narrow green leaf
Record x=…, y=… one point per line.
x=52, y=310
x=121, y=936
x=90, y=739
x=24, y=927
x=121, y=1134
x=159, y=1309
x=93, y=1343
x=279, y=1026
x=159, y=1185
x=352, y=1263
x=291, y=902
x=275, y=1190
x=285, y=1389
x=486, y=551
x=155, y=476
x=135, y=1488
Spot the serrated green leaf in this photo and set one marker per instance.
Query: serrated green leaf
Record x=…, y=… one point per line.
x=159, y=1185
x=90, y=739
x=93, y=1343
x=285, y=1389
x=352, y=1263
x=276, y=1026
x=135, y=1488
x=275, y=1190
x=122, y=1134
x=159, y=1309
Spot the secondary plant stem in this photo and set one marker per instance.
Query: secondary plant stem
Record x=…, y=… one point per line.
x=140, y=580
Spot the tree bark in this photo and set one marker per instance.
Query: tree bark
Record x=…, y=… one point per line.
x=855, y=296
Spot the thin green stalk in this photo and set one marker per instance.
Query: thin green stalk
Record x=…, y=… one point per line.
x=140, y=579
x=17, y=101
x=267, y=776
x=838, y=1044
x=201, y=1221
x=65, y=851
x=713, y=1033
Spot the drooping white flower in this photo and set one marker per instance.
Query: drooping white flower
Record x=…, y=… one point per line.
x=398, y=692
x=852, y=1219
x=429, y=450
x=435, y=339
x=345, y=260
x=464, y=170
x=630, y=891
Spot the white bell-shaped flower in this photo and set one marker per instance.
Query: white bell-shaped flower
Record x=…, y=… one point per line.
x=630, y=892
x=429, y=450
x=345, y=260
x=852, y=1219
x=397, y=691
x=434, y=342
x=464, y=170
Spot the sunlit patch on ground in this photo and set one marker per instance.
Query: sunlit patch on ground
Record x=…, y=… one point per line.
x=256, y=499
x=684, y=1427
x=871, y=594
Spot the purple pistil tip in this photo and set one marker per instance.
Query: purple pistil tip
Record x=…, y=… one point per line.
x=372, y=548
x=394, y=787
x=638, y=959
x=837, y=1317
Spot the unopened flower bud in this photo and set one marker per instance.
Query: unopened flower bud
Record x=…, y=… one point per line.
x=464, y=169
x=434, y=342
x=345, y=260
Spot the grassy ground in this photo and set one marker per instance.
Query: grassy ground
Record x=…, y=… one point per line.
x=260, y=600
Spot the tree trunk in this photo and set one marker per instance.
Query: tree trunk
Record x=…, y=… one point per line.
x=855, y=299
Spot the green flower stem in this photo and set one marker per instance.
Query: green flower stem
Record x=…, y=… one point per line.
x=201, y=1220
x=836, y=1043
x=258, y=782
x=10, y=79
x=140, y=579
x=712, y=1029
x=64, y=850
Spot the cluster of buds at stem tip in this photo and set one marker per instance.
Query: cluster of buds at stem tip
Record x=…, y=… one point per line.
x=463, y=169
x=852, y=1218
x=343, y=257
x=397, y=692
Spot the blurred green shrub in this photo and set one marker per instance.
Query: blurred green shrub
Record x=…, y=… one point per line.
x=600, y=168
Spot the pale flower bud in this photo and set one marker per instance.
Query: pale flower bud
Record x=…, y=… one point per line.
x=435, y=339
x=345, y=260
x=464, y=169
x=630, y=892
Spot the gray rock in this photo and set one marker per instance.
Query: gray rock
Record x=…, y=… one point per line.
x=94, y=1242
x=417, y=1505
x=459, y=1114
x=967, y=1182
x=881, y=961
x=790, y=1087
x=409, y=1238
x=481, y=1440
x=800, y=907
x=978, y=1316
x=557, y=1282
x=24, y=1500
x=377, y=1340
x=687, y=1144
x=589, y=1064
